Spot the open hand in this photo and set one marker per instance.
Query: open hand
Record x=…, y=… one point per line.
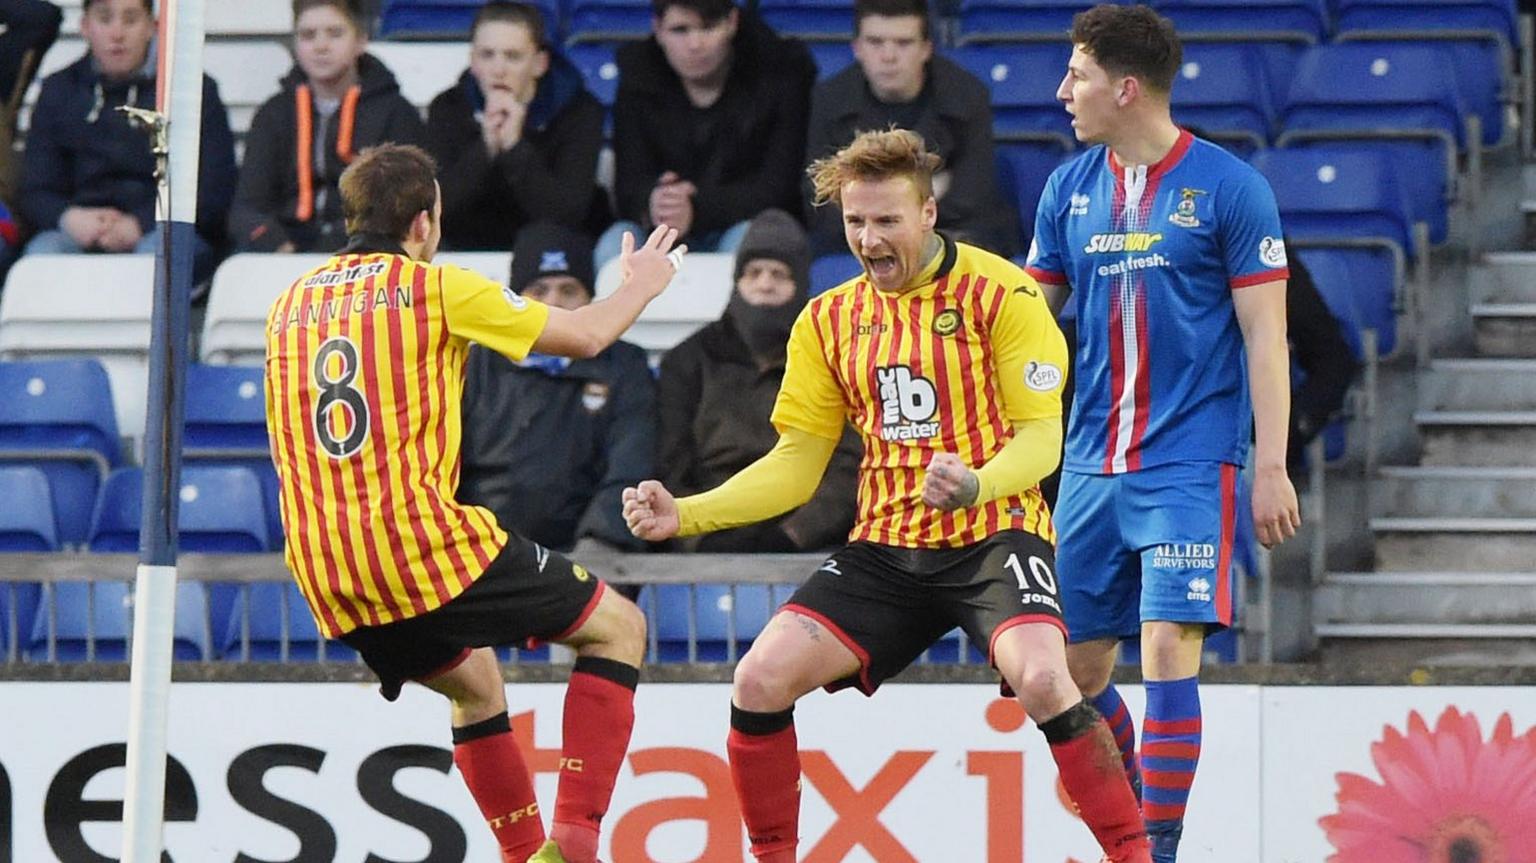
x=650, y=511
x=652, y=266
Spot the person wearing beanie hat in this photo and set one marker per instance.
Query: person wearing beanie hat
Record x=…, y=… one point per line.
x=717, y=389
x=550, y=442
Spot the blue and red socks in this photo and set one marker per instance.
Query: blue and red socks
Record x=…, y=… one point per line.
x=1170, y=751
x=1113, y=709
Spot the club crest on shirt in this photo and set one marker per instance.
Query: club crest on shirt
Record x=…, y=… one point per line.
x=1184, y=214
x=945, y=323
x=594, y=395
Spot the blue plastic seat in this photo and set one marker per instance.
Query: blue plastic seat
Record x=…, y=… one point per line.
x=1360, y=285
x=26, y=525
x=448, y=19
x=810, y=20
x=226, y=427
x=1022, y=81
x=273, y=609
x=598, y=70
x=1223, y=89
x=1017, y=20
x=1023, y=168
x=714, y=606
x=1428, y=19
x=59, y=418
x=830, y=57
x=1333, y=195
x=102, y=612
x=1297, y=21
x=608, y=21
x=829, y=271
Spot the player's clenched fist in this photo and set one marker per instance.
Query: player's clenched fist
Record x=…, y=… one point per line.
x=949, y=484
x=650, y=511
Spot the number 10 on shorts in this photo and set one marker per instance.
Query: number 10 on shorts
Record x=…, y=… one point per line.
x=1036, y=576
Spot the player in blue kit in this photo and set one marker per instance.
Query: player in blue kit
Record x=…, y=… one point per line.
x=1174, y=249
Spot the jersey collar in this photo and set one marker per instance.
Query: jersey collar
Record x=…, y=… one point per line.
x=1164, y=165
x=369, y=244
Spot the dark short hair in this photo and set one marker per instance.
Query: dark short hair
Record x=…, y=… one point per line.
x=348, y=8
x=385, y=187
x=874, y=157
x=709, y=10
x=1130, y=41
x=511, y=12
x=891, y=9
x=147, y=4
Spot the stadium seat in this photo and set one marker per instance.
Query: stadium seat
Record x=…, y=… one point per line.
x=1223, y=90
x=1361, y=286
x=265, y=616
x=248, y=72
x=423, y=69
x=1345, y=195
x=85, y=305
x=829, y=271
x=1297, y=21
x=92, y=621
x=721, y=614
x=1403, y=94
x=26, y=525
x=496, y=266
x=698, y=294
x=234, y=325
x=1017, y=20
x=245, y=18
x=59, y=419
x=1429, y=19
x=1485, y=73
x=449, y=19
x=608, y=21
x=226, y=426
x=810, y=20
x=830, y=57
x=1023, y=168
x=598, y=70
x=1022, y=81
x=220, y=511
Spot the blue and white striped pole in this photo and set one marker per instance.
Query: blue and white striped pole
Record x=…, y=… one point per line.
x=179, y=98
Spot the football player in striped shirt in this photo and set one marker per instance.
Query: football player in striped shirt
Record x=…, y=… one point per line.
x=1173, y=247
x=946, y=360
x=364, y=374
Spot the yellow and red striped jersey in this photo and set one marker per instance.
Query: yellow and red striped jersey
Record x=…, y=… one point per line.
x=946, y=367
x=364, y=376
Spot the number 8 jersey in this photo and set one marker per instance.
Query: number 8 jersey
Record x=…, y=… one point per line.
x=364, y=376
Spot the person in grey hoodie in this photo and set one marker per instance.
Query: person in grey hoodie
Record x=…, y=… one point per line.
x=716, y=393
x=335, y=102
x=516, y=139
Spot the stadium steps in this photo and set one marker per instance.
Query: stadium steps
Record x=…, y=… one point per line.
x=1484, y=438
x=1478, y=385
x=1428, y=604
x=1503, y=305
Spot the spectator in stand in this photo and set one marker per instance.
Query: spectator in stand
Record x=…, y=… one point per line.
x=898, y=81
x=1319, y=350
x=517, y=137
x=717, y=391
x=708, y=124
x=87, y=179
x=336, y=101
x=27, y=30
x=551, y=442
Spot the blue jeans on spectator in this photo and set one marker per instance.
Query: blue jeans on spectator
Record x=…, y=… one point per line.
x=57, y=242
x=611, y=242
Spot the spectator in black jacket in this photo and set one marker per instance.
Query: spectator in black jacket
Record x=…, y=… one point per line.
x=27, y=29
x=708, y=124
x=334, y=103
x=87, y=179
x=717, y=389
x=1319, y=350
x=550, y=443
x=516, y=139
x=899, y=81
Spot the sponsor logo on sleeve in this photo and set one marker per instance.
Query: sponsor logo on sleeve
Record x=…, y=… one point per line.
x=1042, y=377
x=1272, y=252
x=514, y=299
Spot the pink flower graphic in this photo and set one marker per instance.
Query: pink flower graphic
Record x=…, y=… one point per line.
x=1446, y=796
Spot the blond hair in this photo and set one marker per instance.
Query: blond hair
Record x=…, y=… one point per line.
x=875, y=156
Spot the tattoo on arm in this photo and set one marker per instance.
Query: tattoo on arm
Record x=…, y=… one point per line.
x=811, y=627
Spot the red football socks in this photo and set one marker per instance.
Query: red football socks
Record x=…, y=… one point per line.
x=598, y=720
x=1092, y=772
x=765, y=768
x=487, y=755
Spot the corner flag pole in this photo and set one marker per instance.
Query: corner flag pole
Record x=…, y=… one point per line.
x=174, y=129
